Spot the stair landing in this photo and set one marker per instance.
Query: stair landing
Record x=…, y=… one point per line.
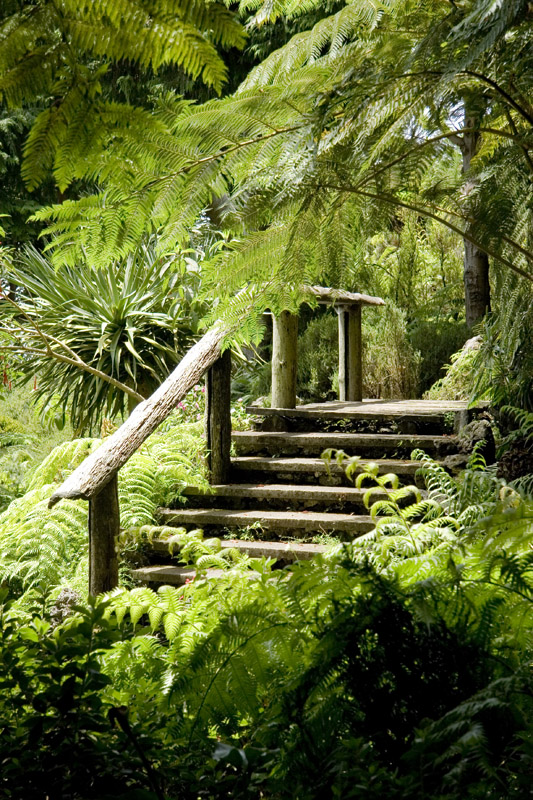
x=369, y=408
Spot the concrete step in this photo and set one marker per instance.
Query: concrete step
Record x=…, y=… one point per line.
x=261, y=469
x=278, y=496
x=295, y=523
x=368, y=445
x=281, y=551
x=173, y=576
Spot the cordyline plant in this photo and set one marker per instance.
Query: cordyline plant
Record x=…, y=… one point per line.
x=100, y=340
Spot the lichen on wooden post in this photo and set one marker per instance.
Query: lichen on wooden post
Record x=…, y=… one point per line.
x=218, y=419
x=284, y=360
x=104, y=528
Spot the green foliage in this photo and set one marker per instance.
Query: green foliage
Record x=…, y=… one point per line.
x=458, y=380
x=317, y=376
x=503, y=366
x=15, y=201
x=64, y=53
x=39, y=547
x=349, y=122
x=42, y=547
x=132, y=321
x=241, y=687
x=60, y=736
x=390, y=364
x=524, y=419
x=344, y=680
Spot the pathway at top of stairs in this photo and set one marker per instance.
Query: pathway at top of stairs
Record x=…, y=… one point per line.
x=281, y=489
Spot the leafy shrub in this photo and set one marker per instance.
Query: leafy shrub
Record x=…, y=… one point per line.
x=60, y=737
x=390, y=363
x=457, y=383
x=436, y=340
x=317, y=376
x=503, y=367
x=344, y=681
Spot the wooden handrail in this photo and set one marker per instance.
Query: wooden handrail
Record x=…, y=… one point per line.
x=339, y=297
x=99, y=467
x=95, y=479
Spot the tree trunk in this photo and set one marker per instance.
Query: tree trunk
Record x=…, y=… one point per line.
x=477, y=286
x=476, y=262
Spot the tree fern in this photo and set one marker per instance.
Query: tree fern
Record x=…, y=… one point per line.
x=294, y=159
x=64, y=51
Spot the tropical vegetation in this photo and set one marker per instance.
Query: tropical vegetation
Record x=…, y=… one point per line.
x=169, y=163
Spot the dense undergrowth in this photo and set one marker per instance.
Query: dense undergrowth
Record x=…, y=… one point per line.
x=47, y=549
x=396, y=666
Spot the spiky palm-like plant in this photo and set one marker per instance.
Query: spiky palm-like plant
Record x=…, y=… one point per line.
x=130, y=321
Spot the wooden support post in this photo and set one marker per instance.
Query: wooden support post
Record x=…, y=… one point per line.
x=104, y=528
x=343, y=352
x=284, y=360
x=355, y=355
x=218, y=419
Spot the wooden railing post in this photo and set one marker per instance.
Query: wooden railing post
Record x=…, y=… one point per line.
x=104, y=528
x=218, y=419
x=350, y=353
x=355, y=355
x=343, y=352
x=284, y=359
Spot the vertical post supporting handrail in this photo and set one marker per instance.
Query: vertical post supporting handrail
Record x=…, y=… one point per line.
x=342, y=315
x=284, y=359
x=355, y=355
x=104, y=528
x=218, y=419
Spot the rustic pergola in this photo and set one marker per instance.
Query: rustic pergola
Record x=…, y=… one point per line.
x=285, y=343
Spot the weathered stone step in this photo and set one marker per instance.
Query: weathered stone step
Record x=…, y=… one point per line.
x=404, y=416
x=278, y=496
x=174, y=576
x=261, y=469
x=298, y=523
x=281, y=551
x=368, y=445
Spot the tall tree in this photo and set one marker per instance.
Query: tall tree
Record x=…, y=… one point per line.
x=359, y=111
x=476, y=261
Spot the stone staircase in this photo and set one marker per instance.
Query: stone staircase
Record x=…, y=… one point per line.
x=281, y=489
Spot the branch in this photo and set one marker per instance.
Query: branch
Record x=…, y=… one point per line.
x=394, y=201
x=33, y=351
x=480, y=77
x=73, y=358
x=522, y=146
x=452, y=136
x=499, y=90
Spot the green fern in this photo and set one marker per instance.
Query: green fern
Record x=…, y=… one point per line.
x=43, y=547
x=359, y=125
x=64, y=52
